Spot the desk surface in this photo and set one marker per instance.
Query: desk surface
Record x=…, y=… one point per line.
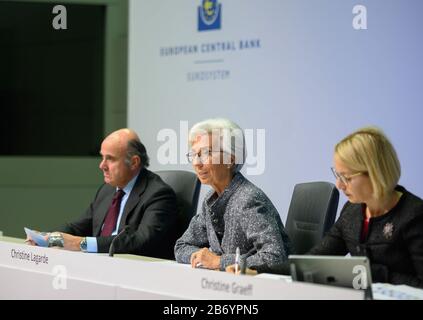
x=28, y=272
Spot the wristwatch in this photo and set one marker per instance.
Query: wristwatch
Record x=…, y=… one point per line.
x=55, y=239
x=83, y=245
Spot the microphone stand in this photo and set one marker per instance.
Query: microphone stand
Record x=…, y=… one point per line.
x=112, y=244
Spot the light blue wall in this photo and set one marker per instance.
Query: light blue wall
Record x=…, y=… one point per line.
x=313, y=80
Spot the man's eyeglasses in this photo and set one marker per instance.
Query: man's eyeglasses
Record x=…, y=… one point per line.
x=203, y=155
x=345, y=179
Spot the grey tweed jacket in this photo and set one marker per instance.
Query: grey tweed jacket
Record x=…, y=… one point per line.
x=242, y=216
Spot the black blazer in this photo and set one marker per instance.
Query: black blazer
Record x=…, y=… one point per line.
x=394, y=243
x=150, y=211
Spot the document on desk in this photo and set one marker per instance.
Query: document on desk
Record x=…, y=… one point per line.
x=38, y=237
x=172, y=263
x=386, y=291
x=274, y=277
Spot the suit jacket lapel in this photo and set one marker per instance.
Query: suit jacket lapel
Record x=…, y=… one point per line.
x=133, y=200
x=215, y=246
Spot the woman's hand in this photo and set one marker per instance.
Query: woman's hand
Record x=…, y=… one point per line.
x=204, y=258
x=248, y=271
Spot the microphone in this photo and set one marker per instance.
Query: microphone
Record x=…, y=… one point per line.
x=112, y=244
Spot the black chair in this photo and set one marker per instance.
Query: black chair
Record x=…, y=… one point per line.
x=187, y=188
x=311, y=214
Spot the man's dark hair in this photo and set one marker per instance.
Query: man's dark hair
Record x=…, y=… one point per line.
x=136, y=148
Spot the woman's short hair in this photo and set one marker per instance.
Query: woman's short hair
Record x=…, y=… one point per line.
x=369, y=150
x=231, y=137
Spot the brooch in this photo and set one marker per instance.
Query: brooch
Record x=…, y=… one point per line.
x=388, y=230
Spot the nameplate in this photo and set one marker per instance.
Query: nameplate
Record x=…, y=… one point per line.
x=28, y=256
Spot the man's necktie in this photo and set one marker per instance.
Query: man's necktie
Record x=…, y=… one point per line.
x=112, y=214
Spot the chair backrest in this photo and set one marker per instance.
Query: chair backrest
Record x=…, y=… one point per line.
x=187, y=188
x=311, y=214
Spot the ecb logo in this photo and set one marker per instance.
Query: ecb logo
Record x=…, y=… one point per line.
x=209, y=15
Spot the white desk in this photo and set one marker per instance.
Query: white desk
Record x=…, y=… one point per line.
x=28, y=272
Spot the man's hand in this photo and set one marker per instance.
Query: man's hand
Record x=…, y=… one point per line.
x=31, y=242
x=204, y=258
x=71, y=242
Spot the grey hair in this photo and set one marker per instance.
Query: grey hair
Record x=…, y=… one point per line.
x=223, y=128
x=136, y=148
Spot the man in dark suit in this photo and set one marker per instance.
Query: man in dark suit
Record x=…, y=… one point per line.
x=146, y=204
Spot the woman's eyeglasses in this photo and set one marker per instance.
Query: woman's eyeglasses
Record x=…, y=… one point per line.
x=345, y=179
x=204, y=155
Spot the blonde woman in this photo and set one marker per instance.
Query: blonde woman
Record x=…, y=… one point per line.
x=381, y=220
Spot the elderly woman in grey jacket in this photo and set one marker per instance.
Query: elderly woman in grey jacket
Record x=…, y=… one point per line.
x=236, y=213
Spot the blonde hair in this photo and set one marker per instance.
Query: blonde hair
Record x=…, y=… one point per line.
x=369, y=150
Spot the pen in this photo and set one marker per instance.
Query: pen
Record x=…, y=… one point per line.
x=237, y=256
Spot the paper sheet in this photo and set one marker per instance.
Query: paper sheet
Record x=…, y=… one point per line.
x=37, y=237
